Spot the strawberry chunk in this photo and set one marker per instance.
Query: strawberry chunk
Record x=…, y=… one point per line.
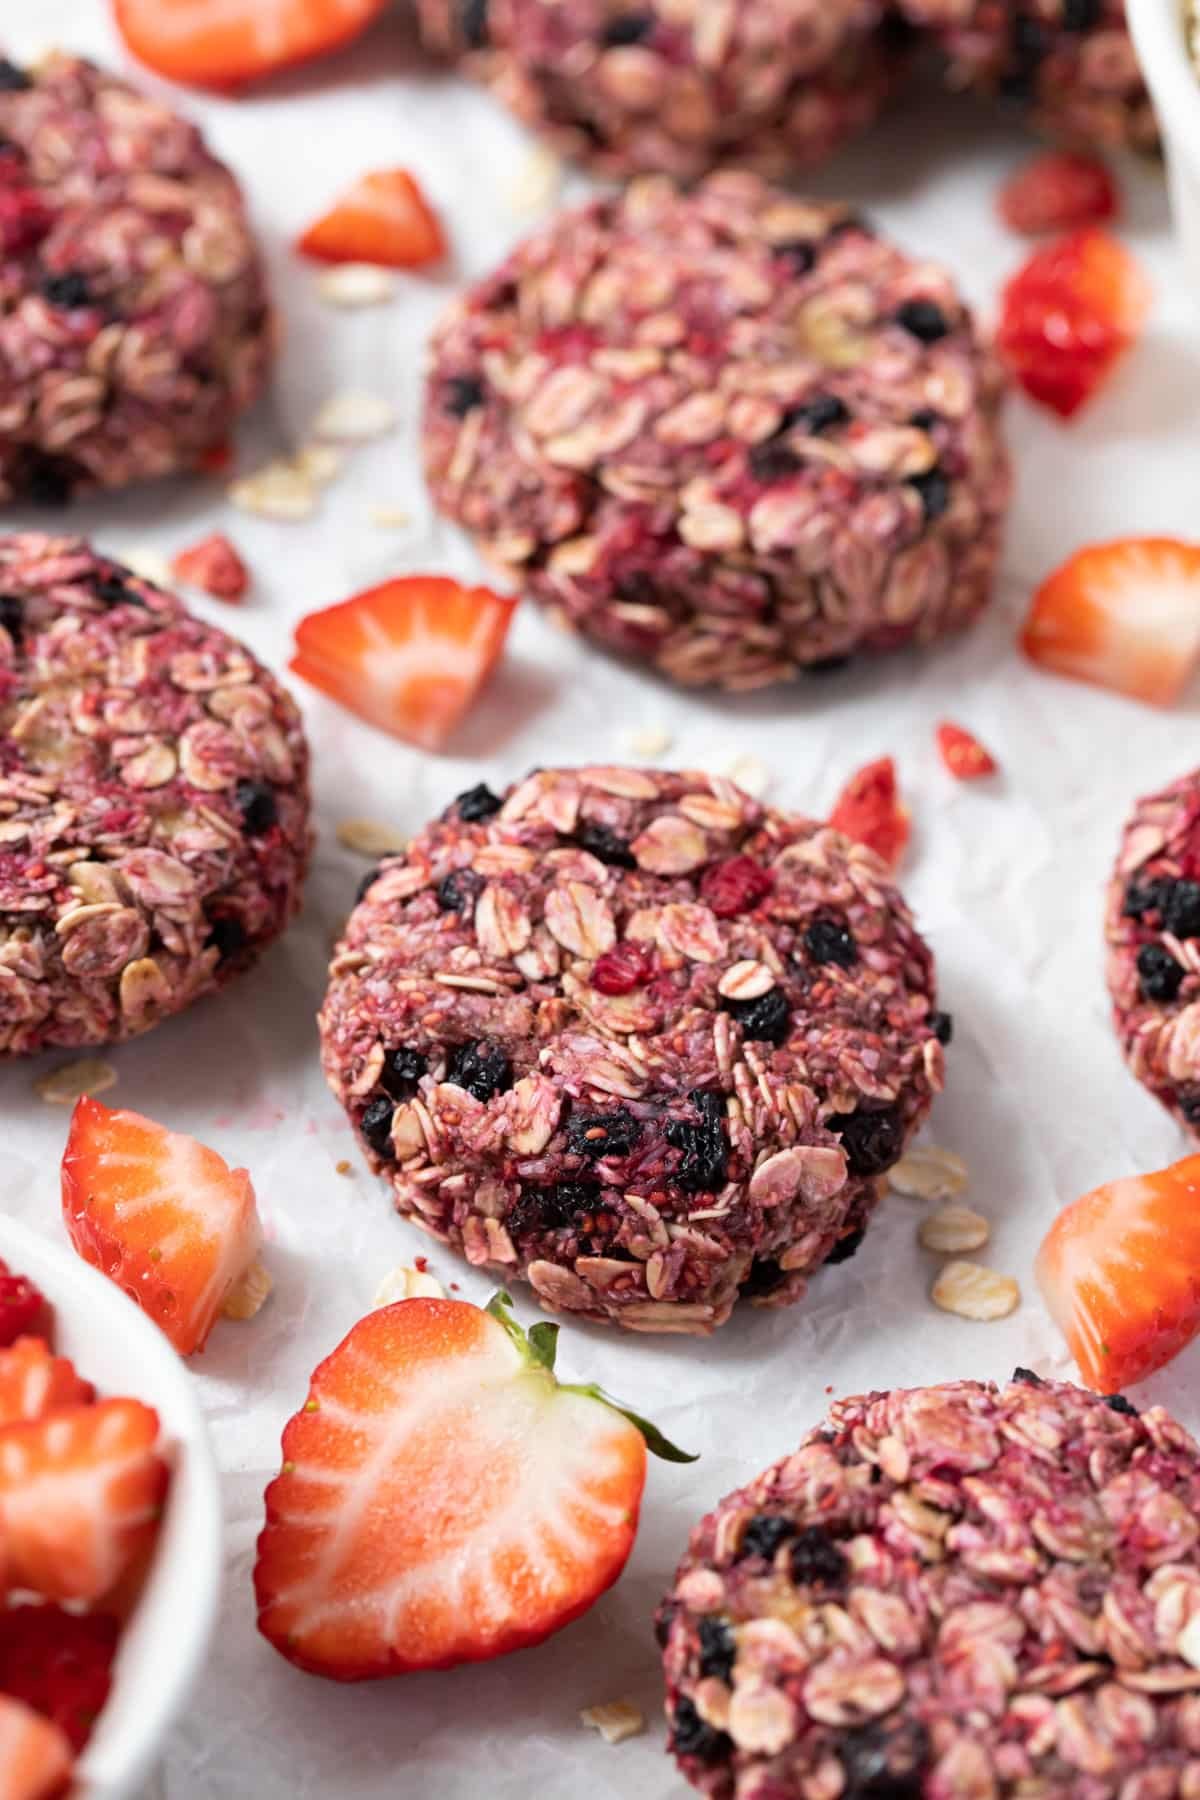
x=237, y=41
x=35, y=1757
x=81, y=1491
x=1124, y=615
x=870, y=811
x=33, y=1382
x=23, y=1308
x=1059, y=190
x=1067, y=316
x=962, y=753
x=409, y=656
x=214, y=566
x=1120, y=1272
x=59, y=1663
x=162, y=1215
x=384, y=218
x=443, y=1499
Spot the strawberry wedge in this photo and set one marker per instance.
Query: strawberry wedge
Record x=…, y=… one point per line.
x=223, y=43
x=383, y=219
x=35, y=1757
x=869, y=810
x=410, y=656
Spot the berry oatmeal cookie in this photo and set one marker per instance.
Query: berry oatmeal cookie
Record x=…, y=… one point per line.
x=134, y=324
x=947, y=1592
x=1069, y=63
x=636, y=1038
x=728, y=432
x=1152, y=929
x=153, y=801
x=669, y=88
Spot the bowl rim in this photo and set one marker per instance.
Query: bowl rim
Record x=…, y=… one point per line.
x=1157, y=30
x=173, y=1638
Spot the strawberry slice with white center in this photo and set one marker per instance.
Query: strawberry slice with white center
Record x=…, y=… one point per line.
x=384, y=219
x=443, y=1499
x=223, y=43
x=35, y=1757
x=164, y=1216
x=1124, y=615
x=1120, y=1272
x=409, y=656
x=81, y=1491
x=33, y=1382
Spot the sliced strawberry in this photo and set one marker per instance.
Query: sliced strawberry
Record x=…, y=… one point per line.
x=410, y=656
x=162, y=1215
x=23, y=1309
x=81, y=1491
x=962, y=753
x=33, y=1382
x=443, y=1500
x=35, y=1757
x=1124, y=616
x=60, y=1663
x=1120, y=1271
x=1059, y=190
x=869, y=809
x=214, y=566
x=235, y=41
x=384, y=218
x=1068, y=314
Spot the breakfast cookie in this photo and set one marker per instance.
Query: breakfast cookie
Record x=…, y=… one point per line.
x=950, y=1591
x=728, y=432
x=153, y=801
x=636, y=1038
x=134, y=325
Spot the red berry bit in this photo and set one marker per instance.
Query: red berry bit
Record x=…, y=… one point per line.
x=735, y=886
x=23, y=1309
x=869, y=809
x=962, y=753
x=625, y=967
x=59, y=1663
x=1068, y=315
x=1058, y=191
x=214, y=566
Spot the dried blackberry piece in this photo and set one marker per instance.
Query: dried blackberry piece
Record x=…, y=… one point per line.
x=482, y=1067
x=847, y=1246
x=923, y=319
x=12, y=615
x=1181, y=909
x=227, y=935
x=882, y=1762
x=552, y=1208
x=764, y=1278
x=402, y=1070
x=816, y=415
x=13, y=79
x=934, y=490
x=473, y=20
x=772, y=462
x=602, y=842
x=831, y=941
x=703, y=1166
x=799, y=253
x=1119, y=1404
x=477, y=803
x=67, y=290
x=627, y=28
x=462, y=394
x=376, y=1127
x=764, y=1534
x=256, y=802
x=943, y=1026
x=925, y=419
x=603, y=1134
x=1159, y=975
x=47, y=480
x=1027, y=1376
x=458, y=890
x=766, y=1020
x=1145, y=897
x=872, y=1140
x=815, y=1560
x=1081, y=15
x=718, y=1648
x=113, y=587
x=690, y=1736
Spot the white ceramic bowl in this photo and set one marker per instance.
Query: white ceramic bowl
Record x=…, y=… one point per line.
x=164, y=1643
x=1157, y=28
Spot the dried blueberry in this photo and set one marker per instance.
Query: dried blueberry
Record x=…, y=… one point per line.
x=767, y=1020
x=603, y=1134
x=663, y=1619
x=12, y=615
x=718, y=1648
x=934, y=491
x=882, y=1762
x=1145, y=897
x=627, y=28
x=1181, y=909
x=826, y=665
x=1188, y=1101
x=13, y=80
x=255, y=800
x=816, y=415
x=481, y=1067
x=764, y=1278
x=703, y=1165
x=367, y=883
x=552, y=1208
x=771, y=462
x=799, y=253
x=402, y=1070
x=1027, y=1376
x=48, y=480
x=476, y=803
x=1081, y=15
x=473, y=18
x=923, y=319
x=462, y=394
x=925, y=419
x=815, y=1560
x=228, y=935
x=113, y=588
x=1159, y=974
x=458, y=889
x=872, y=1140
x=690, y=1736
x=376, y=1127
x=846, y=1247
x=831, y=941
x=764, y=1533
x=67, y=290
x=1119, y=1404
x=943, y=1026
x=598, y=840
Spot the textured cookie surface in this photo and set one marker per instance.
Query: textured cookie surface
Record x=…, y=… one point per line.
x=134, y=326
x=951, y=1591
x=153, y=801
x=634, y=1037
x=727, y=431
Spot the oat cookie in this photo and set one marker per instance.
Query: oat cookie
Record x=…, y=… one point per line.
x=635, y=1037
x=673, y=88
x=1070, y=64
x=728, y=432
x=950, y=1592
x=153, y=801
x=134, y=325
x=1152, y=930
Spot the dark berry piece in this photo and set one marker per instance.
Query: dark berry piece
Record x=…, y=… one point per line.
x=925, y=419
x=826, y=665
x=473, y=17
x=1160, y=976
x=764, y=1278
x=704, y=1163
x=799, y=253
x=718, y=1649
x=482, y=1067
x=12, y=615
x=255, y=800
x=735, y=886
x=603, y=1134
x=943, y=1026
x=402, y=1070
x=764, y=1533
x=1188, y=1101
x=67, y=290
x=552, y=1208
x=934, y=491
x=457, y=890
x=831, y=941
x=1181, y=909
x=601, y=841
x=884, y=1762
x=1029, y=44
x=46, y=479
x=815, y=1560
x=13, y=80
x=846, y=1247
x=627, y=28
x=816, y=415
x=872, y=1140
x=229, y=936
x=690, y=1736
x=376, y=1127
x=476, y=803
x=771, y=462
x=1146, y=897
x=462, y=394
x=663, y=1619
x=1119, y=1404
x=1081, y=15
x=114, y=589
x=367, y=883
x=1028, y=1377
x=923, y=319
x=622, y=969
x=767, y=1020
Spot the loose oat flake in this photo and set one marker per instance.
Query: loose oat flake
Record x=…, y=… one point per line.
x=615, y=1720
x=648, y=740
x=972, y=1291
x=354, y=416
x=954, y=1229
x=390, y=518
x=535, y=186
x=278, y=490
x=355, y=284
x=404, y=1283
x=927, y=1172
x=70, y=1081
x=369, y=837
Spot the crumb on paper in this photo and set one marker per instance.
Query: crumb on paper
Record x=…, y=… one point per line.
x=648, y=740
x=344, y=1167
x=615, y=1720
x=147, y=562
x=319, y=463
x=405, y=1283
x=248, y=1296
x=927, y=1172
x=354, y=416
x=971, y=1291
x=71, y=1081
x=953, y=1229
x=535, y=187
x=371, y=837
x=390, y=518
x=277, y=490
x=355, y=284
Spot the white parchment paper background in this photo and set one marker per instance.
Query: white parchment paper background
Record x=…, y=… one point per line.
x=1006, y=879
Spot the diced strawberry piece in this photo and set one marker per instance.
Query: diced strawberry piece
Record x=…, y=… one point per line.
x=443, y=1500
x=214, y=566
x=224, y=45
x=81, y=1491
x=734, y=886
x=1124, y=615
x=33, y=1382
x=1059, y=190
x=1068, y=314
x=870, y=811
x=1120, y=1271
x=24, y=1311
x=216, y=460
x=962, y=753
x=622, y=969
x=162, y=1215
x=35, y=1757
x=60, y=1663
x=384, y=218
x=409, y=656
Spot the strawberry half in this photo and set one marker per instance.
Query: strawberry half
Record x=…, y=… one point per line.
x=35, y=1757
x=409, y=656
x=164, y=1216
x=1059, y=190
x=60, y=1663
x=33, y=1382
x=1124, y=616
x=235, y=41
x=870, y=811
x=443, y=1499
x=962, y=753
x=81, y=1491
x=1068, y=314
x=384, y=218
